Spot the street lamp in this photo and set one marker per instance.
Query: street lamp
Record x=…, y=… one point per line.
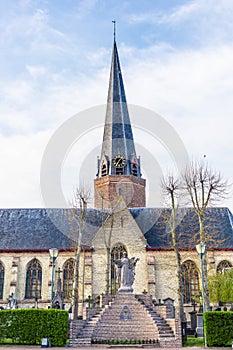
x=201, y=248
x=201, y=252
x=53, y=254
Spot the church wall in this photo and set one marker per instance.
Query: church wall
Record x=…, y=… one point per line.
x=126, y=232
x=162, y=276
x=155, y=271
x=15, y=273
x=15, y=268
x=165, y=275
x=6, y=260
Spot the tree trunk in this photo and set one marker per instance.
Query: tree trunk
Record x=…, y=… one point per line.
x=178, y=261
x=76, y=283
x=204, y=261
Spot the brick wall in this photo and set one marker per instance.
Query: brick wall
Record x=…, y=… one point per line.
x=108, y=189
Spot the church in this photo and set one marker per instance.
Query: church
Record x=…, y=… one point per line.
x=119, y=223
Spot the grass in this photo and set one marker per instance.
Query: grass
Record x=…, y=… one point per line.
x=191, y=341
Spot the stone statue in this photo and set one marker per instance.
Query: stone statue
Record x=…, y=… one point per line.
x=12, y=301
x=125, y=273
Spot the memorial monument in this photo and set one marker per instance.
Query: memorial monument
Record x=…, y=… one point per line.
x=125, y=273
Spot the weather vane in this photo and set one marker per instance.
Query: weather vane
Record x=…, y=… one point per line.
x=114, y=29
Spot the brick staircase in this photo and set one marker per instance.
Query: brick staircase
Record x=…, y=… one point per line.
x=164, y=329
x=125, y=318
x=83, y=336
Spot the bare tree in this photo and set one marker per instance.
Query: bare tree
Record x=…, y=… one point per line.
x=204, y=188
x=172, y=189
x=107, y=222
x=77, y=216
x=107, y=241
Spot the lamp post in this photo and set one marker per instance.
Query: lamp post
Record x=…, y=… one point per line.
x=53, y=254
x=201, y=248
x=201, y=252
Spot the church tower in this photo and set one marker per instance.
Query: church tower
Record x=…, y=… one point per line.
x=119, y=170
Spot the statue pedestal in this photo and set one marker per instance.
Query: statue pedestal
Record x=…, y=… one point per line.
x=125, y=289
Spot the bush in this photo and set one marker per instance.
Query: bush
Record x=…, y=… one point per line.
x=218, y=328
x=29, y=326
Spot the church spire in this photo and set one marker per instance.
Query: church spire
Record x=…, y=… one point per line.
x=118, y=144
x=118, y=162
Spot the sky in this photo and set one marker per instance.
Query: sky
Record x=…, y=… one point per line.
x=176, y=59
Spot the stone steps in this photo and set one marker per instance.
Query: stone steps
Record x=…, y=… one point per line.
x=164, y=329
x=84, y=336
x=125, y=318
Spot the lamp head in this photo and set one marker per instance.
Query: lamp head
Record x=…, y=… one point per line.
x=201, y=248
x=53, y=253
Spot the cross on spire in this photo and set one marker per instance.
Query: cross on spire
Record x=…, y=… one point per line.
x=114, y=29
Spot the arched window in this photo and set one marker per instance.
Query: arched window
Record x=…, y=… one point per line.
x=68, y=278
x=224, y=265
x=104, y=170
x=117, y=253
x=134, y=169
x=33, y=280
x=190, y=278
x=1, y=279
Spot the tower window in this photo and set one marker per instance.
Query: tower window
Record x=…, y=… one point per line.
x=134, y=169
x=119, y=171
x=104, y=170
x=190, y=278
x=33, y=280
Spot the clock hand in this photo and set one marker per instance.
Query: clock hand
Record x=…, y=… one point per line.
x=118, y=162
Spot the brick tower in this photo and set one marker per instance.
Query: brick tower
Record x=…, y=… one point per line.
x=119, y=171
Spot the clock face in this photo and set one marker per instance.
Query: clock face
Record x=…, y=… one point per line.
x=119, y=161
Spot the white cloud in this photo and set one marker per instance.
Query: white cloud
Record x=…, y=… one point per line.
x=181, y=13
x=178, y=14
x=192, y=87
x=20, y=164
x=205, y=22
x=85, y=7
x=36, y=71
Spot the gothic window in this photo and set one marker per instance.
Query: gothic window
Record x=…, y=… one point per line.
x=117, y=253
x=134, y=169
x=223, y=265
x=134, y=166
x=33, y=280
x=104, y=170
x=68, y=278
x=1, y=279
x=190, y=278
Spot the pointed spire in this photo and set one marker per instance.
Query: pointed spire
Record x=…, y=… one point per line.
x=118, y=136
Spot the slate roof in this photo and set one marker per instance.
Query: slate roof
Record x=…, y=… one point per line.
x=41, y=229
x=154, y=223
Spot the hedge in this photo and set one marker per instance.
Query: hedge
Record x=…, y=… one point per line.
x=218, y=328
x=29, y=326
